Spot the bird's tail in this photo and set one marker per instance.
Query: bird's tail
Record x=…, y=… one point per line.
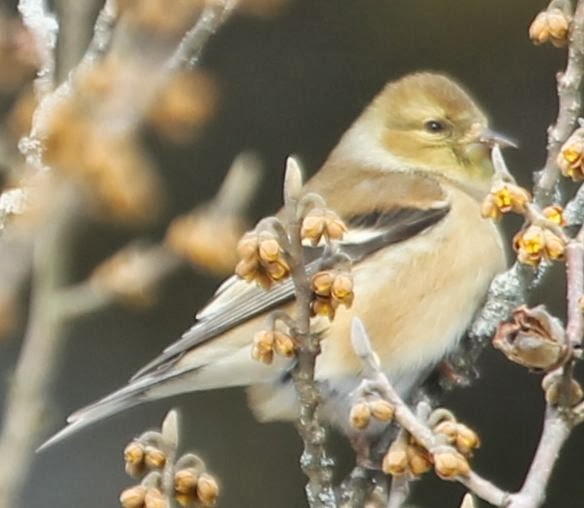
x=125, y=398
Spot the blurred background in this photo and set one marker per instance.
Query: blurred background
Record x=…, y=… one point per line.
x=291, y=83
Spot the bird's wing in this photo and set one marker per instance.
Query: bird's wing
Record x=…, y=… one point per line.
x=237, y=301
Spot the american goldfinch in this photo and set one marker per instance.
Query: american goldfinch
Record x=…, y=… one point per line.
x=408, y=178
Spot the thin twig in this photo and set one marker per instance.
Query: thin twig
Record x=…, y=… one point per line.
x=555, y=432
x=189, y=50
x=408, y=420
x=44, y=28
x=315, y=462
x=570, y=106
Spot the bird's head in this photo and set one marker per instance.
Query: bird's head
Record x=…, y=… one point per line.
x=429, y=122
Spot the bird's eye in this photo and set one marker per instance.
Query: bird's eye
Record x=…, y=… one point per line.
x=434, y=126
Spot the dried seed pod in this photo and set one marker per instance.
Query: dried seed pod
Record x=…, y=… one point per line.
x=533, y=338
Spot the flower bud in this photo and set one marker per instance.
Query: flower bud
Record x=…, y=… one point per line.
x=342, y=289
x=450, y=465
x=154, y=458
x=551, y=25
x=207, y=490
x=395, y=461
x=419, y=460
x=381, y=410
x=133, y=497
x=360, y=415
x=155, y=499
x=466, y=439
x=558, y=393
x=448, y=429
x=185, y=481
x=284, y=345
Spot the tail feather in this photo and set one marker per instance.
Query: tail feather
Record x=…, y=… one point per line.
x=125, y=398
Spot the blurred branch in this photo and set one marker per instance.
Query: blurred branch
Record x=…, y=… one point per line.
x=44, y=27
x=213, y=16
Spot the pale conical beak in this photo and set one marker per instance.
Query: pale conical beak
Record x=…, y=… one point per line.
x=492, y=138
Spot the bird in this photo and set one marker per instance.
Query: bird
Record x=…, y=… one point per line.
x=408, y=178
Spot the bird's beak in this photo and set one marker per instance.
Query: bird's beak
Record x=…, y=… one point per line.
x=491, y=138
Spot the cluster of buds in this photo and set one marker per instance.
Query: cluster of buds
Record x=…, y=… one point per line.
x=154, y=16
x=141, y=496
x=322, y=223
x=406, y=456
x=553, y=25
x=206, y=240
x=535, y=243
x=192, y=485
x=458, y=435
x=370, y=407
x=533, y=338
x=262, y=259
x=268, y=342
x=187, y=101
x=505, y=197
x=127, y=275
x=570, y=159
x=449, y=460
x=331, y=289
x=152, y=457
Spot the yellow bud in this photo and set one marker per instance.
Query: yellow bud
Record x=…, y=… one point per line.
x=322, y=283
x=247, y=246
x=489, y=209
x=185, y=481
x=450, y=465
x=448, y=429
x=155, y=499
x=529, y=244
x=419, y=460
x=312, y=227
x=322, y=307
x=277, y=270
x=269, y=250
x=154, y=458
x=360, y=415
x=466, y=439
x=554, y=213
x=207, y=490
x=395, y=461
x=284, y=345
x=335, y=228
x=382, y=410
x=133, y=497
x=262, y=349
x=555, y=247
x=342, y=289
x=134, y=453
x=247, y=268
